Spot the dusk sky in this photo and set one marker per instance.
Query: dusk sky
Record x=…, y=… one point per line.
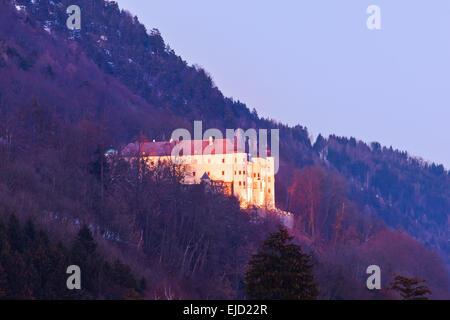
x=316, y=64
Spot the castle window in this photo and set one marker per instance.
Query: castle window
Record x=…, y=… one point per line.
x=235, y=172
x=209, y=173
x=193, y=173
x=244, y=172
x=269, y=190
x=244, y=183
x=240, y=172
x=223, y=160
x=240, y=183
x=254, y=175
x=223, y=173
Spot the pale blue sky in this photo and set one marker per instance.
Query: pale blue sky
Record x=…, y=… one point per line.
x=315, y=63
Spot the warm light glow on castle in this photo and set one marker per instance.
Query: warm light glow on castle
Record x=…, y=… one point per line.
x=250, y=178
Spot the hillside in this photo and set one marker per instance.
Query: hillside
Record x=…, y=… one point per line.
x=66, y=97
x=406, y=192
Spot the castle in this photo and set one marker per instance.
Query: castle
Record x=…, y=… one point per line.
x=249, y=178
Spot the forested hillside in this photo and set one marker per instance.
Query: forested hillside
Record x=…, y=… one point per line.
x=68, y=96
x=32, y=267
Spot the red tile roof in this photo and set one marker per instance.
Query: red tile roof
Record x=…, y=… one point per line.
x=184, y=147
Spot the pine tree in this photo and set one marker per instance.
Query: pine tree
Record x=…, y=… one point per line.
x=84, y=254
x=280, y=271
x=142, y=285
x=410, y=288
x=3, y=282
x=3, y=238
x=84, y=244
x=4, y=253
x=60, y=262
x=122, y=275
x=30, y=231
x=15, y=235
x=43, y=267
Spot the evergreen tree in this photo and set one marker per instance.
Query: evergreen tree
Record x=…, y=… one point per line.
x=30, y=231
x=280, y=271
x=122, y=275
x=3, y=238
x=410, y=288
x=57, y=286
x=4, y=250
x=84, y=244
x=84, y=254
x=142, y=285
x=43, y=266
x=3, y=282
x=15, y=235
x=20, y=282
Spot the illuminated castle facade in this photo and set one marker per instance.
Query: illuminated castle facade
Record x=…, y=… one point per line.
x=250, y=178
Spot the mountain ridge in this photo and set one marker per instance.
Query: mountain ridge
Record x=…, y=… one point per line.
x=157, y=92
